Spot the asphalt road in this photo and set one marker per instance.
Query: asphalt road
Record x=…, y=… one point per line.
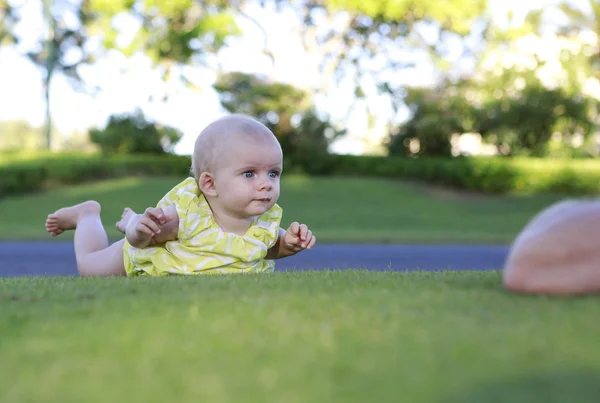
x=58, y=258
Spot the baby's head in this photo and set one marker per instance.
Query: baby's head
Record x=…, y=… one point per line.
x=237, y=163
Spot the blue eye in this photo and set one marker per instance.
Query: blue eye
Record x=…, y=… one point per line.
x=248, y=174
x=273, y=174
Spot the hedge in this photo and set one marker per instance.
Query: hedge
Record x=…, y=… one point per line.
x=484, y=174
x=488, y=175
x=34, y=175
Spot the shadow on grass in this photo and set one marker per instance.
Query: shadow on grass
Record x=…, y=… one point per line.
x=581, y=386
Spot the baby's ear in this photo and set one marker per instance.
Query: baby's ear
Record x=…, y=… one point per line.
x=206, y=184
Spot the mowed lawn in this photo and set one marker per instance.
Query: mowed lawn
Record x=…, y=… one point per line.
x=343, y=337
x=336, y=209
x=322, y=336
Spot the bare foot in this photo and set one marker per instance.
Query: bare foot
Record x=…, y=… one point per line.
x=68, y=217
x=125, y=217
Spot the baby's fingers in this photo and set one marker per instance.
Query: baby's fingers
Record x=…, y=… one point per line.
x=312, y=242
x=150, y=224
x=156, y=214
x=304, y=232
x=144, y=229
x=307, y=238
x=294, y=228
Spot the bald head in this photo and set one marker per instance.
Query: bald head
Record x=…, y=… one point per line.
x=222, y=134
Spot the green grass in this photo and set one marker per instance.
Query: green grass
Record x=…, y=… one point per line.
x=347, y=337
x=336, y=209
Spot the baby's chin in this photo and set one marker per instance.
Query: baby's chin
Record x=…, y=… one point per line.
x=259, y=209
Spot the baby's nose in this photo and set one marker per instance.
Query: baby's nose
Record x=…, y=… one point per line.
x=266, y=184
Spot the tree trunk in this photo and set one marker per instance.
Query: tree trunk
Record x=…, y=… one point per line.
x=49, y=70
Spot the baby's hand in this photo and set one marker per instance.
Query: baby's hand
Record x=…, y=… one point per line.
x=151, y=222
x=298, y=237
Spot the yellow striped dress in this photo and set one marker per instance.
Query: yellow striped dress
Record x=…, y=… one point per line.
x=202, y=247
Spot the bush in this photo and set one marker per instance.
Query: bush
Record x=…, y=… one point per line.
x=484, y=174
x=134, y=134
x=488, y=175
x=35, y=175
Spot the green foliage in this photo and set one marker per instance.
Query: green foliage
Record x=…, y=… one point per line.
x=578, y=20
x=278, y=106
x=487, y=175
x=19, y=135
x=7, y=22
x=21, y=178
x=170, y=32
x=133, y=134
x=56, y=170
x=526, y=124
x=309, y=142
x=530, y=25
x=518, y=121
x=255, y=96
x=437, y=114
x=364, y=41
x=273, y=104
x=510, y=100
x=453, y=15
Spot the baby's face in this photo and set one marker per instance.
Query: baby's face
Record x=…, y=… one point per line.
x=247, y=177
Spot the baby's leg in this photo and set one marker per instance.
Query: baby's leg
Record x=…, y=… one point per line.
x=127, y=215
x=93, y=254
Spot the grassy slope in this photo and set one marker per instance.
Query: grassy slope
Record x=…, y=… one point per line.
x=337, y=209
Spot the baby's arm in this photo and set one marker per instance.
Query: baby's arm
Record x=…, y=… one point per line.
x=155, y=227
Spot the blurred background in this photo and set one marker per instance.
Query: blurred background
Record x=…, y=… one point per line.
x=492, y=97
x=401, y=77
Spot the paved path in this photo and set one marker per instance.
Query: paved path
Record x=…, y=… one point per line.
x=58, y=259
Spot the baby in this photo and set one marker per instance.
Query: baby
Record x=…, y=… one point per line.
x=223, y=220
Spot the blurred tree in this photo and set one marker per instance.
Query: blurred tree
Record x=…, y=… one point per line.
x=58, y=47
x=552, y=65
x=525, y=91
x=437, y=114
x=576, y=38
x=524, y=121
x=379, y=37
x=283, y=108
x=310, y=142
x=172, y=33
x=19, y=135
x=77, y=32
x=517, y=122
x=274, y=104
x=134, y=134
x=7, y=22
